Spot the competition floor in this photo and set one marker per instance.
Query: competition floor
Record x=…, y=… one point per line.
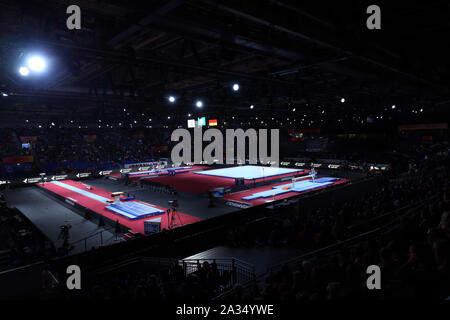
x=282, y=190
x=53, y=203
x=96, y=200
x=249, y=172
x=202, y=181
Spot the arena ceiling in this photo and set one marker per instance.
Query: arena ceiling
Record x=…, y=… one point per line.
x=288, y=57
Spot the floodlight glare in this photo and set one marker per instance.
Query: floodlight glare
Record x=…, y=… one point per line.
x=24, y=71
x=199, y=104
x=36, y=63
x=171, y=99
x=235, y=87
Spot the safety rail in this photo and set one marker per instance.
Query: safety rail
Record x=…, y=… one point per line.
x=85, y=239
x=232, y=270
x=258, y=279
x=394, y=213
x=410, y=176
x=240, y=271
x=166, y=262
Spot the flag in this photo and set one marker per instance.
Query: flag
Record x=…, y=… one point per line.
x=201, y=121
x=212, y=122
x=191, y=123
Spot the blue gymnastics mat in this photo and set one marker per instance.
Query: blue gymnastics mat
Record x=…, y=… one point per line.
x=134, y=210
x=301, y=186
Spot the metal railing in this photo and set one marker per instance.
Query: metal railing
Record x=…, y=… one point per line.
x=240, y=271
x=234, y=271
x=97, y=234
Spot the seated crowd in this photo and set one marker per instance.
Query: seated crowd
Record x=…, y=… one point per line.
x=58, y=151
x=413, y=259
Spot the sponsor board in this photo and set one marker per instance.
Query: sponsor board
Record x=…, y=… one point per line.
x=83, y=175
x=32, y=180
x=237, y=204
x=62, y=177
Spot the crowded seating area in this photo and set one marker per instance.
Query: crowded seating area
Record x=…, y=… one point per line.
x=60, y=151
x=413, y=256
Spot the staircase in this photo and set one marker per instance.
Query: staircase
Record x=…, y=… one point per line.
x=129, y=235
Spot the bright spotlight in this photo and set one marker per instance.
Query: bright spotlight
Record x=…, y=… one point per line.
x=199, y=104
x=393, y=106
x=235, y=87
x=37, y=63
x=4, y=94
x=342, y=100
x=252, y=106
x=171, y=99
x=24, y=71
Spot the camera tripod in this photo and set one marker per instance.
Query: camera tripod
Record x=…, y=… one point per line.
x=172, y=216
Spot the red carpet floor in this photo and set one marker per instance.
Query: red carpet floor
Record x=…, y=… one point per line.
x=237, y=196
x=197, y=183
x=99, y=207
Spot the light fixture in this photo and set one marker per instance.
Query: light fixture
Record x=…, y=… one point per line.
x=37, y=63
x=24, y=71
x=235, y=87
x=342, y=100
x=199, y=104
x=171, y=99
x=393, y=106
x=252, y=106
